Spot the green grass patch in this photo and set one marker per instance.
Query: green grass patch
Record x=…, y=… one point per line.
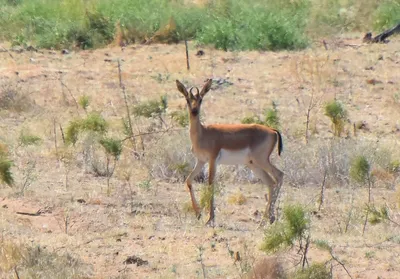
x=228, y=25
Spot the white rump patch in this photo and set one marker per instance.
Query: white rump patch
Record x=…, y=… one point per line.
x=236, y=157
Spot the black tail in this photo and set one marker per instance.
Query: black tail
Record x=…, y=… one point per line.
x=280, y=142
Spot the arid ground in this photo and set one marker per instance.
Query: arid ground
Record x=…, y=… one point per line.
x=146, y=214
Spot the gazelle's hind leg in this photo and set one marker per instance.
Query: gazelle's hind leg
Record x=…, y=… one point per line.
x=196, y=170
x=272, y=173
x=271, y=184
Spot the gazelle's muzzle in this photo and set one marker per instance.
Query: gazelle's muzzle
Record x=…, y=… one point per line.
x=195, y=111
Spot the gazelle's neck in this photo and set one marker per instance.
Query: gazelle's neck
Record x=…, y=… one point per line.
x=195, y=127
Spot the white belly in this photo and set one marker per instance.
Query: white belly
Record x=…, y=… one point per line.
x=237, y=157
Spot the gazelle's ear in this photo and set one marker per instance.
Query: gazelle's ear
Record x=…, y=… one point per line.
x=206, y=88
x=182, y=89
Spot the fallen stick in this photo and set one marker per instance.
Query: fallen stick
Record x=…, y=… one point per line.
x=381, y=38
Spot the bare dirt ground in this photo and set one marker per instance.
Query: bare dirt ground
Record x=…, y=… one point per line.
x=152, y=224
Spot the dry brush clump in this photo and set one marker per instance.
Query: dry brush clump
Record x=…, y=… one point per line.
x=333, y=157
x=22, y=261
x=13, y=97
x=169, y=158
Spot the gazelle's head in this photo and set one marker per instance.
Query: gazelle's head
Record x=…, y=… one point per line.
x=194, y=100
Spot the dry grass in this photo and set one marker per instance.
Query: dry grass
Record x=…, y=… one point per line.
x=147, y=215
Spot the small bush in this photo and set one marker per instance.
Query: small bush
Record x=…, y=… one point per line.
x=337, y=113
x=112, y=146
x=27, y=139
x=94, y=122
x=181, y=117
x=5, y=171
x=360, y=169
x=283, y=234
x=13, y=98
x=237, y=198
x=271, y=117
x=37, y=262
x=315, y=271
x=151, y=108
x=378, y=215
x=84, y=102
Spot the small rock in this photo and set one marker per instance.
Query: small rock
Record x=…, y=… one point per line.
x=135, y=260
x=65, y=51
x=200, y=53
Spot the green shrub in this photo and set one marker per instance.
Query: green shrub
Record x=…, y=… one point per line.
x=271, y=117
x=94, y=122
x=387, y=15
x=314, y=271
x=294, y=226
x=112, y=146
x=251, y=120
x=337, y=113
x=5, y=171
x=181, y=117
x=241, y=25
x=151, y=108
x=360, y=169
x=27, y=139
x=230, y=24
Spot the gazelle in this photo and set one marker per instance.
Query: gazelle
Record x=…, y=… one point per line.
x=231, y=144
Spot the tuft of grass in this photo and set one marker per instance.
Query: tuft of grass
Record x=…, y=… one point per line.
x=206, y=194
x=378, y=215
x=27, y=139
x=84, y=102
x=238, y=198
x=253, y=119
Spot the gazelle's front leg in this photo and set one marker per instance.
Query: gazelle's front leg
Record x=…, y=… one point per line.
x=211, y=175
x=196, y=170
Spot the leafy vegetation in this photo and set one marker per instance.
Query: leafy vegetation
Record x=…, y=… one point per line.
x=271, y=118
x=337, y=113
x=360, y=169
x=94, y=122
x=284, y=234
x=228, y=25
x=5, y=166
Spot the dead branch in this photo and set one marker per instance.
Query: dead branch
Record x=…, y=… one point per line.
x=187, y=55
x=154, y=132
x=381, y=38
x=37, y=213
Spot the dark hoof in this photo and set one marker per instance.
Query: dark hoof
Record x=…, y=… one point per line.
x=271, y=219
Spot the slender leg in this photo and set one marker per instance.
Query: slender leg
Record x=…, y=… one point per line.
x=196, y=170
x=211, y=175
x=271, y=184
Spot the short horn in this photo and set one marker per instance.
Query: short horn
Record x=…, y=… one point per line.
x=197, y=89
